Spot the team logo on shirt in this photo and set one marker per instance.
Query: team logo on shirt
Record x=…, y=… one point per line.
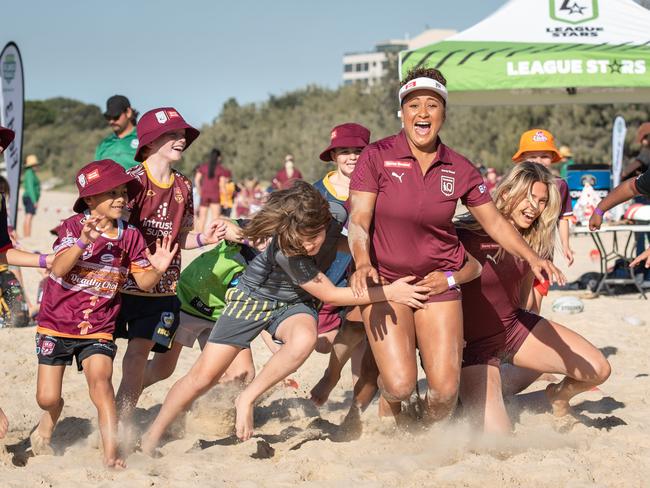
x=482, y=188
x=106, y=258
x=151, y=193
x=178, y=195
x=398, y=176
x=134, y=143
x=447, y=185
x=398, y=164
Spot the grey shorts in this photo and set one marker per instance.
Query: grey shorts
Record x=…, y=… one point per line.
x=245, y=317
x=192, y=329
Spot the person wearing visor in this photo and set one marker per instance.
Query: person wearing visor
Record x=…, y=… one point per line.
x=403, y=195
x=122, y=144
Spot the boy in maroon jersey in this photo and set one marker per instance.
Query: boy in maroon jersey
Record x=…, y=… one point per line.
x=95, y=250
x=162, y=207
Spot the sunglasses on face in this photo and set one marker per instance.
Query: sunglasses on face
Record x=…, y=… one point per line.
x=110, y=118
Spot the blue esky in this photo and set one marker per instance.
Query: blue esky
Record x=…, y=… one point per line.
x=195, y=54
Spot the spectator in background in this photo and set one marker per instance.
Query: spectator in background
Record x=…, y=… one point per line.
x=286, y=176
x=567, y=160
x=639, y=165
x=491, y=180
x=211, y=179
x=122, y=144
x=31, y=192
x=249, y=199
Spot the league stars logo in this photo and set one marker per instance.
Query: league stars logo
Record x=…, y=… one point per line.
x=615, y=67
x=572, y=9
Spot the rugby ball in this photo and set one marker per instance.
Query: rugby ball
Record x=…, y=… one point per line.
x=638, y=211
x=568, y=305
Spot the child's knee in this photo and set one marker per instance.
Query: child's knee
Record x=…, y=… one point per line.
x=48, y=401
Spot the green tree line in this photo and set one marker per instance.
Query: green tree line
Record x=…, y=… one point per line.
x=254, y=138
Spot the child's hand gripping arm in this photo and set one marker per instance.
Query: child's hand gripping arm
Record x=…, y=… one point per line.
x=437, y=280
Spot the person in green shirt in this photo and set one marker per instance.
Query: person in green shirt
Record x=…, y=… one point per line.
x=31, y=192
x=122, y=144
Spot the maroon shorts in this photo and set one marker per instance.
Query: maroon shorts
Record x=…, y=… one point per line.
x=329, y=318
x=503, y=346
x=209, y=199
x=446, y=296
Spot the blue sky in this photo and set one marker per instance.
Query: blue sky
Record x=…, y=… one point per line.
x=196, y=54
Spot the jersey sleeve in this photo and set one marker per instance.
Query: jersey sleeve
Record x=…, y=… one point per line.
x=68, y=235
x=642, y=183
x=565, y=198
x=299, y=269
x=476, y=192
x=5, y=241
x=187, y=224
x=366, y=175
x=138, y=261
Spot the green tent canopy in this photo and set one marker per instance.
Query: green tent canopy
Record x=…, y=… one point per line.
x=546, y=52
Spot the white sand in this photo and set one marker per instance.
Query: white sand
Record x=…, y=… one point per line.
x=609, y=446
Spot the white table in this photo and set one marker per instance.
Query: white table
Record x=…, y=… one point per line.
x=617, y=251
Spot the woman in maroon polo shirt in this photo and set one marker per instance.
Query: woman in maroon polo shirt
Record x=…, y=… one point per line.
x=403, y=196
x=497, y=328
x=211, y=178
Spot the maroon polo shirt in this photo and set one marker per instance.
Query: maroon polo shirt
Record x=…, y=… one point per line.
x=490, y=302
x=210, y=186
x=412, y=232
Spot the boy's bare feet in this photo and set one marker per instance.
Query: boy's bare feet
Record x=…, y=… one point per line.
x=40, y=446
x=114, y=462
x=244, y=419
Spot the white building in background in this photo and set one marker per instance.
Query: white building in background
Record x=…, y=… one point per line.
x=369, y=67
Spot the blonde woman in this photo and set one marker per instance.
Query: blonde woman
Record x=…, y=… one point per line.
x=496, y=327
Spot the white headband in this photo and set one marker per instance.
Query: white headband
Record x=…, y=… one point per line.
x=423, y=84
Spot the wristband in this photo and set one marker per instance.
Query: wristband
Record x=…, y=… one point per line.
x=599, y=212
x=450, y=280
x=198, y=240
x=245, y=242
x=81, y=244
x=42, y=260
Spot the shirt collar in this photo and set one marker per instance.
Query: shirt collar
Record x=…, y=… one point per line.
x=404, y=150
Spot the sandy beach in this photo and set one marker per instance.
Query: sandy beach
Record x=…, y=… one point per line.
x=604, y=445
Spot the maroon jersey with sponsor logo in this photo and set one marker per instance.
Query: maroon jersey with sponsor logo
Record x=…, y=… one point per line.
x=160, y=210
x=565, y=198
x=84, y=303
x=412, y=232
x=491, y=301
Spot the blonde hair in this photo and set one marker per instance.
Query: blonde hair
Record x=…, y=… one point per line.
x=515, y=187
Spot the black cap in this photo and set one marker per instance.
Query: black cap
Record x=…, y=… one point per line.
x=116, y=105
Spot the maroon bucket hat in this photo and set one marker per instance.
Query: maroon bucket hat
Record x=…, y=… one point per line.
x=346, y=135
x=6, y=137
x=159, y=121
x=101, y=176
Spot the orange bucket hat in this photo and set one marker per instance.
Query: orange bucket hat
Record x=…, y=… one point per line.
x=537, y=140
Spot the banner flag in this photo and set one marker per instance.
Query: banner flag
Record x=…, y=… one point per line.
x=618, y=143
x=12, y=100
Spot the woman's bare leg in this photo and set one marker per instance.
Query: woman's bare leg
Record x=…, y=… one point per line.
x=390, y=329
x=553, y=348
x=439, y=329
x=480, y=392
x=199, y=225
